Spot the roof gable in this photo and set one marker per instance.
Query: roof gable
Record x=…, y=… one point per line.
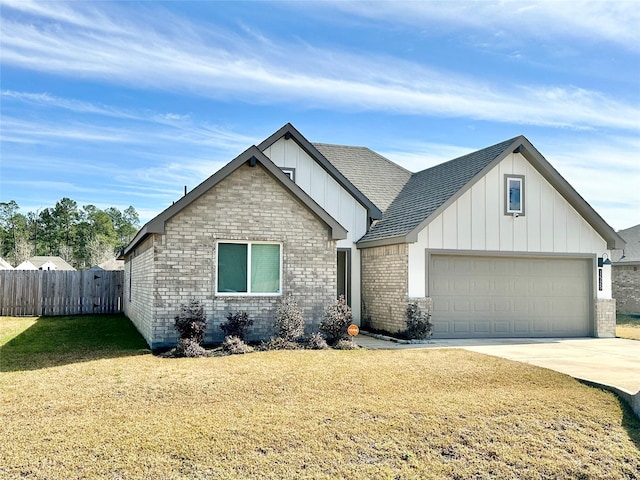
x=252, y=156
x=290, y=133
x=431, y=191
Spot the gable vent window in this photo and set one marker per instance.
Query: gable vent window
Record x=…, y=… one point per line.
x=289, y=172
x=514, y=195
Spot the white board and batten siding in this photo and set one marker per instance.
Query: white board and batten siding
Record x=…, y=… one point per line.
x=492, y=274
x=332, y=197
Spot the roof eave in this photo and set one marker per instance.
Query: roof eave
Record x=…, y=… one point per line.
x=254, y=155
x=381, y=242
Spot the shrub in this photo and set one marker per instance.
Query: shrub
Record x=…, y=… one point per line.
x=191, y=323
x=233, y=345
x=188, y=348
x=279, y=343
x=419, y=324
x=237, y=325
x=337, y=318
x=345, y=344
x=315, y=341
x=289, y=322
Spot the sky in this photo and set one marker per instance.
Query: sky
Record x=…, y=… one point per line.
x=125, y=103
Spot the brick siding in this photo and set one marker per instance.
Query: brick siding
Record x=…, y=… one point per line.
x=247, y=205
x=384, y=287
x=605, y=313
x=626, y=288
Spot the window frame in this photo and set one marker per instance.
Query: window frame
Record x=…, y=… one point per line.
x=289, y=172
x=248, y=293
x=507, y=206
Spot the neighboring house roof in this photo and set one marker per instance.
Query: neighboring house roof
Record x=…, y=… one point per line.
x=377, y=177
x=54, y=261
x=631, y=251
x=289, y=131
x=431, y=191
x=111, y=264
x=4, y=265
x=252, y=156
x=26, y=265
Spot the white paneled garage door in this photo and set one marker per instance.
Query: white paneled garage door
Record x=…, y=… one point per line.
x=483, y=296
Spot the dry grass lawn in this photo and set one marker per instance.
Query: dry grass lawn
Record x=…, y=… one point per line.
x=413, y=414
x=628, y=326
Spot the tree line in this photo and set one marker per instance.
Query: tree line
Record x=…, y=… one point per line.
x=83, y=236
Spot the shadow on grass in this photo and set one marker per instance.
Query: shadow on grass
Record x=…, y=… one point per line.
x=631, y=423
x=54, y=341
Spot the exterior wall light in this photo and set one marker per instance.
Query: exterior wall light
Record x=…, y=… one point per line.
x=603, y=260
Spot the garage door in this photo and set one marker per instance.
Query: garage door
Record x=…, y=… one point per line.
x=509, y=297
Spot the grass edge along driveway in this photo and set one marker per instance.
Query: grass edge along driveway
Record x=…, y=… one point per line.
x=79, y=410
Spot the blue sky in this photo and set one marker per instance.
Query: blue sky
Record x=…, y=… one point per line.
x=125, y=103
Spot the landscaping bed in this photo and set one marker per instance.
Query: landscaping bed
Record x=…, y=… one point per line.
x=119, y=412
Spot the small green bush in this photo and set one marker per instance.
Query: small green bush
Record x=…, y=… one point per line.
x=419, y=324
x=237, y=325
x=315, y=341
x=234, y=345
x=337, y=318
x=191, y=322
x=289, y=322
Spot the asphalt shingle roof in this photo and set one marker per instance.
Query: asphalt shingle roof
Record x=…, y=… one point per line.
x=427, y=190
x=377, y=177
x=631, y=252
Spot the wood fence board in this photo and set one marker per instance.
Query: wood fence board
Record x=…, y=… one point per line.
x=55, y=292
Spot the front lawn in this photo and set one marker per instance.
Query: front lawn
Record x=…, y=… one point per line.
x=628, y=326
x=298, y=414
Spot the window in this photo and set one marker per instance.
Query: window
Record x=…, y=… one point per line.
x=514, y=195
x=249, y=268
x=289, y=172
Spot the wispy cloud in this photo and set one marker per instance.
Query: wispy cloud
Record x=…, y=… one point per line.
x=511, y=21
x=79, y=39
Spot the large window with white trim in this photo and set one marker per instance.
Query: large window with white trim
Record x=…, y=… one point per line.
x=249, y=268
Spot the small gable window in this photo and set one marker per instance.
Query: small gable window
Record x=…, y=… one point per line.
x=249, y=268
x=514, y=195
x=289, y=172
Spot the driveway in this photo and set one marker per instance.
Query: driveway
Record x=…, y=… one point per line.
x=613, y=363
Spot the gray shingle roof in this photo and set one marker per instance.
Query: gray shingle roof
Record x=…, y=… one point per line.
x=429, y=189
x=631, y=252
x=377, y=177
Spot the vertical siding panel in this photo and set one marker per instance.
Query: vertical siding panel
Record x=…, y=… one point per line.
x=546, y=218
x=449, y=228
x=464, y=230
x=573, y=230
x=559, y=223
x=436, y=235
x=493, y=212
x=478, y=216
x=533, y=211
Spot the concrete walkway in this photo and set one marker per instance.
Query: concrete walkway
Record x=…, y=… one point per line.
x=612, y=363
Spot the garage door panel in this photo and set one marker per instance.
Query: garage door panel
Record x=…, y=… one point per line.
x=504, y=296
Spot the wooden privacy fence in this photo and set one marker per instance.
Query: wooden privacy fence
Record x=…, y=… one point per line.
x=57, y=292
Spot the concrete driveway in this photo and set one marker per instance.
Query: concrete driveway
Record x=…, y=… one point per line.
x=613, y=363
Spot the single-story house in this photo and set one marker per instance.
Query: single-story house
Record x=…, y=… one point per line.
x=626, y=272
x=493, y=244
x=4, y=265
x=44, y=262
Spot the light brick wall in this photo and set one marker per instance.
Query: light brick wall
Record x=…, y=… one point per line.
x=626, y=288
x=384, y=287
x=605, y=313
x=248, y=205
x=138, y=292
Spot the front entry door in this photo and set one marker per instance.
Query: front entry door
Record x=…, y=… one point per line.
x=344, y=274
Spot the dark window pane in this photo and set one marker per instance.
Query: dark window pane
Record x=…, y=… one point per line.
x=232, y=267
